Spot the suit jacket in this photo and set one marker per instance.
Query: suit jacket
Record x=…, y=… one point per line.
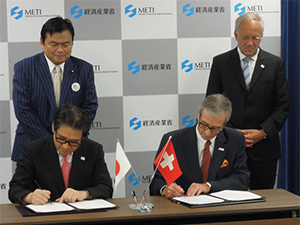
x=40, y=161
x=34, y=101
x=266, y=104
x=229, y=145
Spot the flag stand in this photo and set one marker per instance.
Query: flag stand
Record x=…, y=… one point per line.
x=146, y=206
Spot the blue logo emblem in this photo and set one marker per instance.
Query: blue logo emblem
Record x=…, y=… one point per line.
x=238, y=8
x=128, y=9
x=136, y=68
x=190, y=10
x=188, y=121
x=137, y=124
x=18, y=14
x=185, y=64
x=134, y=180
x=74, y=10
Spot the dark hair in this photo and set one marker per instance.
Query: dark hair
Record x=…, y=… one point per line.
x=56, y=24
x=73, y=117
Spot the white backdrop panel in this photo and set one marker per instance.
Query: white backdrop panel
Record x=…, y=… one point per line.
x=155, y=115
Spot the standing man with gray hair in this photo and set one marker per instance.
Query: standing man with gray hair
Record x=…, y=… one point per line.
x=207, y=144
x=255, y=82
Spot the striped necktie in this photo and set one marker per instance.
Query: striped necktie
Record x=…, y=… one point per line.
x=246, y=71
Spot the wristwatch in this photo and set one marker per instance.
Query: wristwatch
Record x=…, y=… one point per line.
x=265, y=135
x=208, y=185
x=89, y=195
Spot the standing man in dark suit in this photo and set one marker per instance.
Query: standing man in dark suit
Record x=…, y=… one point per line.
x=227, y=160
x=42, y=164
x=40, y=86
x=256, y=84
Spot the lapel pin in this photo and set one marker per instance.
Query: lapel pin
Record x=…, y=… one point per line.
x=262, y=66
x=221, y=149
x=75, y=87
x=82, y=158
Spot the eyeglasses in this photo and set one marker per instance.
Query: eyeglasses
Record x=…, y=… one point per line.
x=64, y=141
x=212, y=129
x=254, y=39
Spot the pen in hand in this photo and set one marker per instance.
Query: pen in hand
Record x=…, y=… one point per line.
x=41, y=189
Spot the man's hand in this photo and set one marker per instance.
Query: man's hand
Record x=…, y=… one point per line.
x=71, y=195
x=173, y=190
x=197, y=189
x=38, y=197
x=252, y=136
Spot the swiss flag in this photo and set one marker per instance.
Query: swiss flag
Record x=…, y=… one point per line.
x=168, y=164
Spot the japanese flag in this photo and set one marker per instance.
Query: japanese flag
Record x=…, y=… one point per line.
x=168, y=164
x=122, y=164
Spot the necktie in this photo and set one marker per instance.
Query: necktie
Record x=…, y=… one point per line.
x=57, y=83
x=246, y=71
x=205, y=162
x=65, y=169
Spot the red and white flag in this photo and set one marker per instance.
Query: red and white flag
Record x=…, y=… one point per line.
x=122, y=164
x=168, y=164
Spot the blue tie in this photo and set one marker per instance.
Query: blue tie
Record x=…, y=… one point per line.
x=246, y=71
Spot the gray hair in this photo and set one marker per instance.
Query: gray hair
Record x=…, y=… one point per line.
x=216, y=104
x=250, y=16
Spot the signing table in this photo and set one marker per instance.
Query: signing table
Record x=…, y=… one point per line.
x=280, y=205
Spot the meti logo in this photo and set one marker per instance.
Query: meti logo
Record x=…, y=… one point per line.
x=18, y=14
x=186, y=8
x=187, y=120
x=74, y=10
x=134, y=180
x=189, y=66
x=128, y=9
x=241, y=10
x=136, y=68
x=97, y=68
x=137, y=124
x=149, y=123
x=96, y=125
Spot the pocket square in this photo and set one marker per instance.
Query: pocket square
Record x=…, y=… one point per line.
x=225, y=163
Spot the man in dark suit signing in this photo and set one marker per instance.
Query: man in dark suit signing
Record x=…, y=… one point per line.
x=63, y=167
x=255, y=82
x=225, y=152
x=47, y=80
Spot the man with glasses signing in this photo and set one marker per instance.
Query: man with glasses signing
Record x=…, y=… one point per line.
x=255, y=82
x=211, y=156
x=63, y=167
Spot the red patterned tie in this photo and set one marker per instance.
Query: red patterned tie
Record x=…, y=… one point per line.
x=205, y=162
x=65, y=168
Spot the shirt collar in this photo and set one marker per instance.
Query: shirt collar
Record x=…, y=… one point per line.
x=200, y=140
x=52, y=65
x=242, y=56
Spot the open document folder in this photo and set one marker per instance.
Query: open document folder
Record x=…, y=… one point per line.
x=55, y=207
x=226, y=197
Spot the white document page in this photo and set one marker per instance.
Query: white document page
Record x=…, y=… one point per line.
x=232, y=195
x=50, y=207
x=198, y=200
x=93, y=204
